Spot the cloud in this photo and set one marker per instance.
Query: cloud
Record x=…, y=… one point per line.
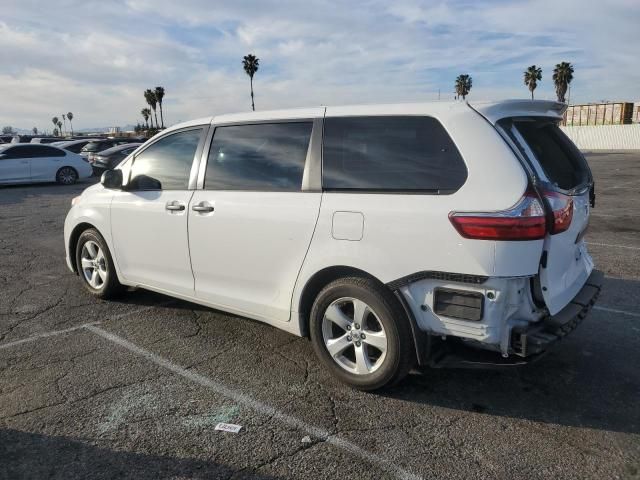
x=96, y=58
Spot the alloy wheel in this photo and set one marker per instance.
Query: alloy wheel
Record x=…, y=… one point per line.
x=67, y=176
x=354, y=336
x=94, y=264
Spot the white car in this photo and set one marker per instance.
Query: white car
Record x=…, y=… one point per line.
x=390, y=235
x=34, y=162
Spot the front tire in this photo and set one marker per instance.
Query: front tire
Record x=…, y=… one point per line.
x=361, y=334
x=95, y=266
x=67, y=176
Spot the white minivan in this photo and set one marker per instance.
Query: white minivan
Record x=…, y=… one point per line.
x=391, y=235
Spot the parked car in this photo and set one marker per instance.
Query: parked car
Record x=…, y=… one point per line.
x=32, y=162
x=111, y=157
x=97, y=146
x=45, y=140
x=74, y=146
x=390, y=235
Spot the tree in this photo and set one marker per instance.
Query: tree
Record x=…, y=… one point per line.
x=34, y=130
x=7, y=130
x=60, y=127
x=64, y=119
x=150, y=97
x=562, y=76
x=70, y=117
x=532, y=75
x=159, y=92
x=55, y=132
x=54, y=120
x=463, y=85
x=251, y=64
x=146, y=113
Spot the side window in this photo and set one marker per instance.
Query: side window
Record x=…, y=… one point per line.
x=390, y=153
x=264, y=157
x=44, y=151
x=19, y=152
x=166, y=164
x=11, y=153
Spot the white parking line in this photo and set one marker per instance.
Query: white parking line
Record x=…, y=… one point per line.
x=52, y=333
x=258, y=406
x=624, y=184
x=614, y=246
x=614, y=310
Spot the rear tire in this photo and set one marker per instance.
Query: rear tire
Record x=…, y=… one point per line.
x=67, y=176
x=361, y=334
x=95, y=266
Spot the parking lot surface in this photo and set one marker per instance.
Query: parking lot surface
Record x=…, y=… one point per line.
x=133, y=388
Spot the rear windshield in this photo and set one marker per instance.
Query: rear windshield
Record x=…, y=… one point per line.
x=92, y=147
x=560, y=160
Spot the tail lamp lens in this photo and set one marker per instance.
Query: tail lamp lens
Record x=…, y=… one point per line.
x=524, y=221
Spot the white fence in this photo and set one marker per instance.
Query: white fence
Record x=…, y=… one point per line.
x=605, y=137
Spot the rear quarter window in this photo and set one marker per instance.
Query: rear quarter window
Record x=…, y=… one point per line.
x=390, y=153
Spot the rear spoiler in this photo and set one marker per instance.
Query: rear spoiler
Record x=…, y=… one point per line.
x=496, y=111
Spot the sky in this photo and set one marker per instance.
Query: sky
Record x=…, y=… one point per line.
x=96, y=58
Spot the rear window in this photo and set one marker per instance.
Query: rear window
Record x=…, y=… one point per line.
x=559, y=158
x=390, y=153
x=91, y=147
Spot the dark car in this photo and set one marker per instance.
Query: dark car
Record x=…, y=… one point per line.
x=75, y=146
x=97, y=146
x=110, y=158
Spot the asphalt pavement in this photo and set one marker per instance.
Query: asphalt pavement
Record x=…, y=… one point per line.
x=133, y=388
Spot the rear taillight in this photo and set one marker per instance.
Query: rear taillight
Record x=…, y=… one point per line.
x=524, y=221
x=562, y=207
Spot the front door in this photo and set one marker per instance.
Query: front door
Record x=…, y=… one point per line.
x=15, y=165
x=149, y=216
x=251, y=225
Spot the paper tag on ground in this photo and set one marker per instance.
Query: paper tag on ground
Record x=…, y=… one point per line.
x=228, y=427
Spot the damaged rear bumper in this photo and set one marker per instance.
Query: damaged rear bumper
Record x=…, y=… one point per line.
x=536, y=338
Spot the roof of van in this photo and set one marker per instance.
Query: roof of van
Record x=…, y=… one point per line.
x=493, y=111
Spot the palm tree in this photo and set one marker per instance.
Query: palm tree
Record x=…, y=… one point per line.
x=35, y=130
x=251, y=64
x=64, y=119
x=531, y=77
x=70, y=117
x=150, y=97
x=60, y=127
x=159, y=92
x=54, y=120
x=463, y=85
x=562, y=76
x=146, y=113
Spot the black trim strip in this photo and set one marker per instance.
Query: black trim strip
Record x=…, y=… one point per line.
x=430, y=274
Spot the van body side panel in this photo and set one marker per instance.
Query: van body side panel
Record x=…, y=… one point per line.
x=404, y=233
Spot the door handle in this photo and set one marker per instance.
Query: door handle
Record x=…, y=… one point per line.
x=203, y=207
x=174, y=206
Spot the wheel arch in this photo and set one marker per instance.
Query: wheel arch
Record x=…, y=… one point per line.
x=327, y=275
x=73, y=241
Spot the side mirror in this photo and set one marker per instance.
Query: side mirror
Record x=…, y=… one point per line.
x=112, y=179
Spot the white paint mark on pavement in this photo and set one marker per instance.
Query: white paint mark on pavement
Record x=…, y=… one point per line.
x=614, y=310
x=614, y=246
x=52, y=333
x=260, y=407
